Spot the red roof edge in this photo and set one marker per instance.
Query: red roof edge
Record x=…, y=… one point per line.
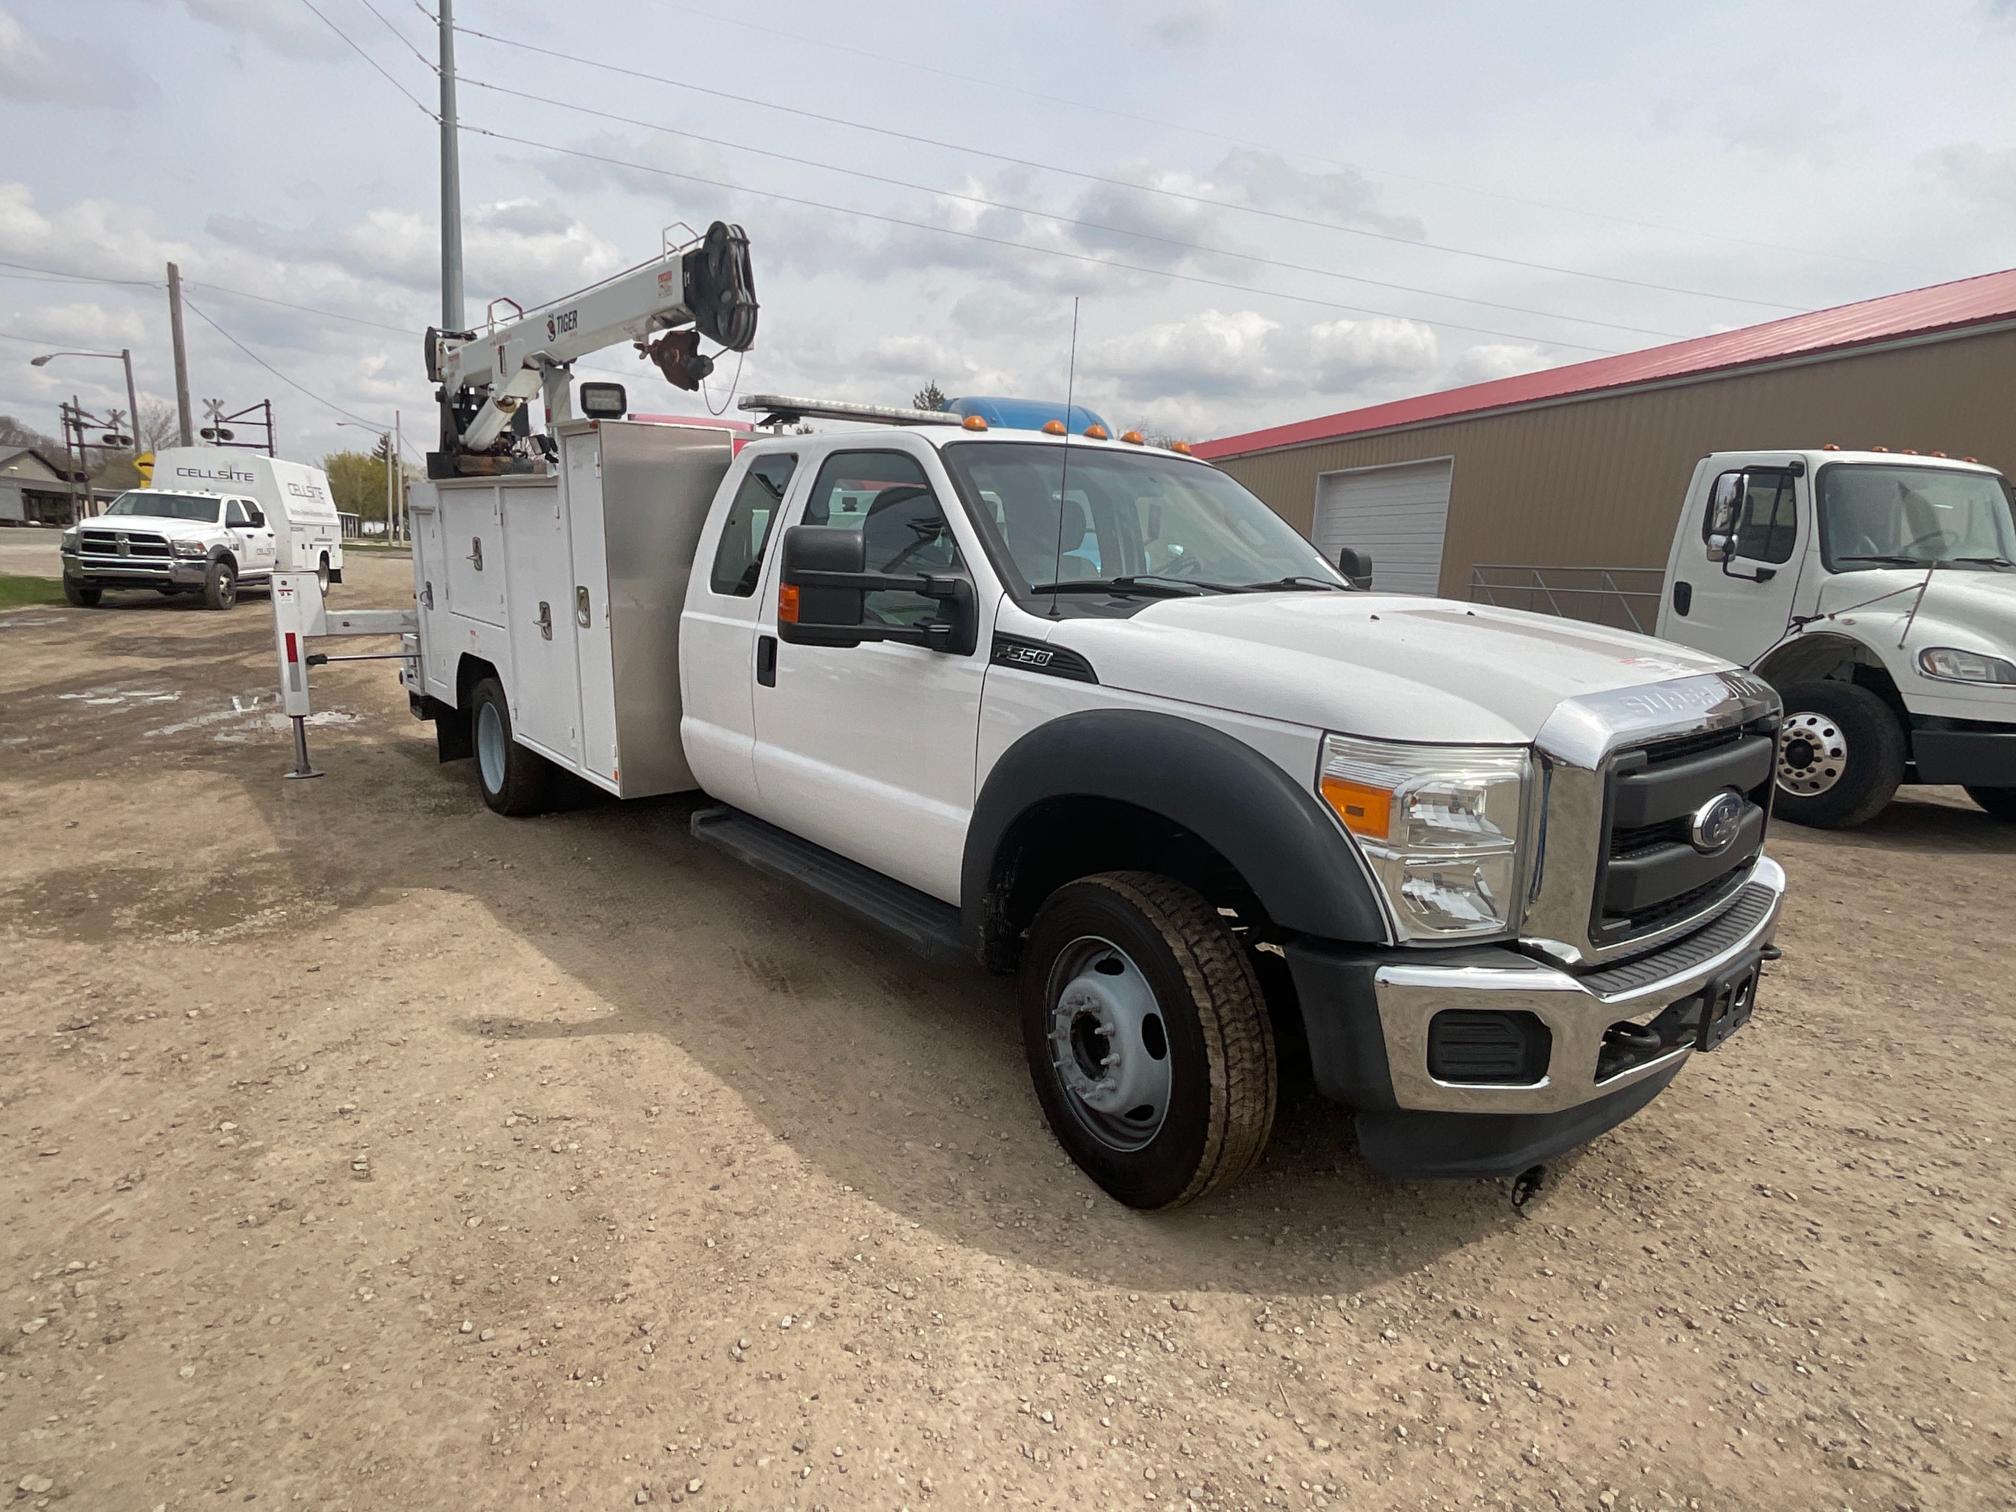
x=1951, y=306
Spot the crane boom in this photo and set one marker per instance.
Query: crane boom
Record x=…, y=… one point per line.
x=664, y=306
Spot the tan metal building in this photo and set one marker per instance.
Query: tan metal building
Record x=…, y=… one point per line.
x=1584, y=466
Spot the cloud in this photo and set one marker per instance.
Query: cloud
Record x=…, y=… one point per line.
x=85, y=325
x=283, y=25
x=1179, y=27
x=1246, y=355
x=512, y=247
x=54, y=71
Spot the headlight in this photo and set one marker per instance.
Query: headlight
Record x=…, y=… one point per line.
x=191, y=549
x=1951, y=665
x=69, y=542
x=1440, y=826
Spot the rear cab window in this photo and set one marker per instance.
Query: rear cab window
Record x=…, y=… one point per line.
x=745, y=534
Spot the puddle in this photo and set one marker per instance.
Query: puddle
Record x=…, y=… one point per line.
x=15, y=622
x=112, y=696
x=243, y=706
x=279, y=724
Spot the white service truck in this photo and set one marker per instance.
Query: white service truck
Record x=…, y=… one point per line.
x=211, y=520
x=1876, y=591
x=1087, y=711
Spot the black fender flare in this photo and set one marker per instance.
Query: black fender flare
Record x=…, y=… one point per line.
x=1304, y=870
x=224, y=554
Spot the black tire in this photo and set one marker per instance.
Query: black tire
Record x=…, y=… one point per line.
x=1840, y=755
x=220, y=585
x=1219, y=1043
x=1999, y=801
x=514, y=780
x=323, y=577
x=81, y=596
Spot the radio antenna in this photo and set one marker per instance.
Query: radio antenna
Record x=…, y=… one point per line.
x=1064, y=472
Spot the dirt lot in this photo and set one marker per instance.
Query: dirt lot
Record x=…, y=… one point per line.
x=363, y=1149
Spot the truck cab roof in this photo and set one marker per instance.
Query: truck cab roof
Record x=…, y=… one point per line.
x=1819, y=456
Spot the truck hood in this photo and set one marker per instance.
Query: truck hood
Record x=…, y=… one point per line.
x=1387, y=666
x=1972, y=609
x=163, y=525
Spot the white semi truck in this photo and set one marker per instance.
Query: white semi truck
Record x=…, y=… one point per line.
x=1874, y=590
x=1085, y=710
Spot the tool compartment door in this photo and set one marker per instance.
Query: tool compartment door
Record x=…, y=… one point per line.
x=588, y=601
x=545, y=687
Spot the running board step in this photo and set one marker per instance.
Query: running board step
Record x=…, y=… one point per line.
x=922, y=922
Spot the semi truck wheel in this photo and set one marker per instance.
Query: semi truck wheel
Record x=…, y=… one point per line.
x=79, y=596
x=1840, y=755
x=1148, y=1038
x=220, y=586
x=513, y=779
x=2001, y=802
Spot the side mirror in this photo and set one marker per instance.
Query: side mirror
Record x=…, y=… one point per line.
x=1720, y=548
x=1356, y=565
x=822, y=596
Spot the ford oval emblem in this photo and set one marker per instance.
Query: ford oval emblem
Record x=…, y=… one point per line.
x=1714, y=826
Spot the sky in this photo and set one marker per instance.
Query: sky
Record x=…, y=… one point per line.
x=1314, y=206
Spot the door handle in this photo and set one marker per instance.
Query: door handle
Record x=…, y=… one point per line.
x=581, y=611
x=427, y=595
x=1683, y=598
x=766, y=660
x=476, y=552
x=545, y=620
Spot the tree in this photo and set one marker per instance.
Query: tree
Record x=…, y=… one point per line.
x=160, y=426
x=357, y=479
x=15, y=433
x=930, y=397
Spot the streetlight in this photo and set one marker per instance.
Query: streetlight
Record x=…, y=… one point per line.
x=121, y=356
x=391, y=461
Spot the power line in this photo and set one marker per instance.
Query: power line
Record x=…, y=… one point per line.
x=717, y=18
x=425, y=62
x=376, y=325
x=1066, y=220
x=1002, y=241
x=69, y=277
x=325, y=403
x=372, y=61
x=1120, y=183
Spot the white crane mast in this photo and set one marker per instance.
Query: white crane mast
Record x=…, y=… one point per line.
x=664, y=306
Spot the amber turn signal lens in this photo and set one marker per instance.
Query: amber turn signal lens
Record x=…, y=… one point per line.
x=1365, y=810
x=1096, y=432
x=787, y=604
x=974, y=422
x=1132, y=438
x=1053, y=427
x=1180, y=446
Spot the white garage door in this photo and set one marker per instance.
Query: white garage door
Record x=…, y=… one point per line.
x=1398, y=514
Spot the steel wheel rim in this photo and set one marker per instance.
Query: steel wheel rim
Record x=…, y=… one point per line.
x=490, y=747
x=227, y=587
x=1812, y=754
x=1109, y=1044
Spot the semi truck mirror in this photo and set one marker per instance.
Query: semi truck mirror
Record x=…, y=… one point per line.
x=1719, y=548
x=1356, y=565
x=812, y=608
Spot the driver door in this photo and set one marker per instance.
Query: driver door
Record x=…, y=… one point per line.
x=252, y=539
x=1738, y=607
x=868, y=750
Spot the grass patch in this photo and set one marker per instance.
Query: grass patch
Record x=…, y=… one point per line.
x=29, y=592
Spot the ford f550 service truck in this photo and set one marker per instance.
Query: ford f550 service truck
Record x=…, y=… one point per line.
x=1087, y=711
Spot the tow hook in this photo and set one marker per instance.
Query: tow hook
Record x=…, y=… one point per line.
x=1771, y=953
x=1526, y=1186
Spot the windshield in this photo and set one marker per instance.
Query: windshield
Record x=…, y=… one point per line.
x=144, y=501
x=1912, y=516
x=1125, y=516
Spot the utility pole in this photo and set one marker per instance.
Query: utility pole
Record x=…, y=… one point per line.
x=451, y=178
x=399, y=473
x=391, y=459
x=181, y=356
x=132, y=403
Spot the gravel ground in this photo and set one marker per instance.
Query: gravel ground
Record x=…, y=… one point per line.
x=366, y=1150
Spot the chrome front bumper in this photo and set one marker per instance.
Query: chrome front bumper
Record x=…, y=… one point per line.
x=1577, y=1008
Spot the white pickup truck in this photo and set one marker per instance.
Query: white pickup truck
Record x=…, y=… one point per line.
x=213, y=519
x=1088, y=711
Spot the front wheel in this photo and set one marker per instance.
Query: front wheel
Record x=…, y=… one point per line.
x=1999, y=801
x=1840, y=755
x=513, y=779
x=81, y=596
x=220, y=586
x=1148, y=1038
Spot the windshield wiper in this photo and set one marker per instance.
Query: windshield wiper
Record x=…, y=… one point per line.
x=1144, y=582
x=1299, y=580
x=1888, y=559
x=1984, y=561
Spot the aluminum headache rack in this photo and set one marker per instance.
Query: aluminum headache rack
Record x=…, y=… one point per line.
x=1624, y=598
x=787, y=409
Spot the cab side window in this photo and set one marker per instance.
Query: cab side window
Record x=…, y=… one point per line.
x=738, y=559
x=1766, y=525
x=234, y=515
x=885, y=496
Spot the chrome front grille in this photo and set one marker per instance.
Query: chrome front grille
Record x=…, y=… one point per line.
x=126, y=544
x=1624, y=773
